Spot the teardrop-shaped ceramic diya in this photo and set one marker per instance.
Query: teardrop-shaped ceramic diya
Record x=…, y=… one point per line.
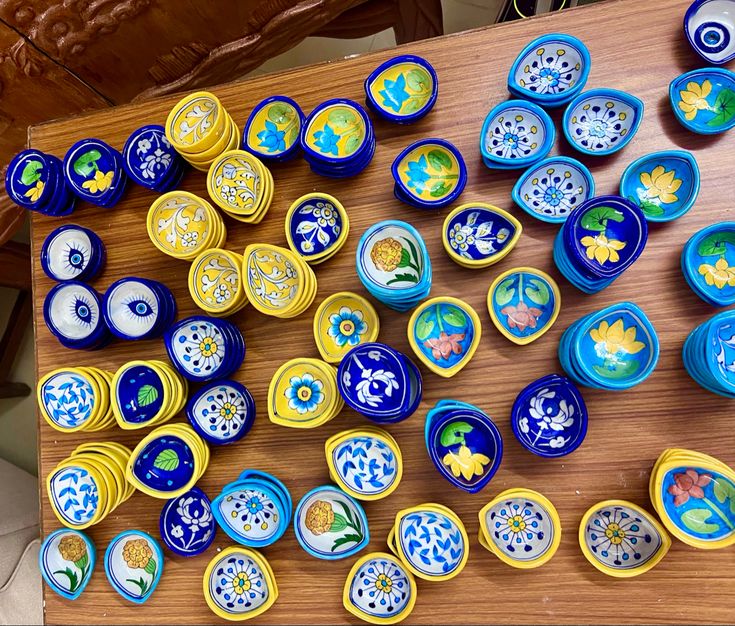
x=708, y=263
x=134, y=564
x=703, y=100
x=710, y=26
x=343, y=321
x=67, y=560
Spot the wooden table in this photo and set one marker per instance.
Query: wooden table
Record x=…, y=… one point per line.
x=635, y=46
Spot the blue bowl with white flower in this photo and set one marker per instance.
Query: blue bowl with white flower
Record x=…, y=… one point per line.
x=317, y=226
x=186, y=523
x=402, y=89
x=151, y=161
x=273, y=128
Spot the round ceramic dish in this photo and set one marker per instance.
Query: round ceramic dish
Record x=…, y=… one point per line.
x=151, y=161
x=94, y=172
x=35, y=181
x=222, y=412
x=699, y=99
x=186, y=523
x=710, y=28
x=71, y=398
x=73, y=313
x=343, y=321
x=196, y=122
x=72, y=252
x=316, y=227
x=215, y=282
x=708, y=263
x=66, y=560
x=134, y=565
x=273, y=128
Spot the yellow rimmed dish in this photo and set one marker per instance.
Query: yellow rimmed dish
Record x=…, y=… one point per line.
x=64, y=486
x=73, y=399
x=236, y=182
x=196, y=122
x=316, y=227
x=215, y=282
x=142, y=394
x=343, y=321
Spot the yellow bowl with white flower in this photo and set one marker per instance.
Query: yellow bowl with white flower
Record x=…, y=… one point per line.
x=196, y=123
x=316, y=227
x=215, y=282
x=237, y=182
x=341, y=322
x=256, y=214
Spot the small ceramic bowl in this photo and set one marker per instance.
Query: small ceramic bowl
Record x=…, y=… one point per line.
x=222, y=412
x=521, y=527
x=73, y=314
x=273, y=128
x=94, y=172
x=196, y=123
x=703, y=100
x=710, y=28
x=316, y=227
x=342, y=321
x=477, y=234
x=72, y=252
x=708, y=263
x=215, y=282
x=602, y=121
x=134, y=565
x=151, y=161
x=239, y=584
x=402, y=89
x=337, y=132
x=552, y=188
x=66, y=560
x=65, y=486
x=186, y=523
x=69, y=398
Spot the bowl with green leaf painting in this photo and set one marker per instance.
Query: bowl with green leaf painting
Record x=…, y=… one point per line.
x=273, y=128
x=337, y=132
x=429, y=174
x=403, y=89
x=708, y=263
x=703, y=100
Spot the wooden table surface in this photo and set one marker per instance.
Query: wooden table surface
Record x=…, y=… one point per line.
x=635, y=46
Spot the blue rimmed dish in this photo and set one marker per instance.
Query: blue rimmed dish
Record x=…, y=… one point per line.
x=72, y=252
x=138, y=308
x=317, y=226
x=703, y=100
x=151, y=161
x=35, y=180
x=222, y=412
x=66, y=559
x=708, y=263
x=72, y=311
x=710, y=28
x=186, y=523
x=95, y=173
x=134, y=565
x=273, y=128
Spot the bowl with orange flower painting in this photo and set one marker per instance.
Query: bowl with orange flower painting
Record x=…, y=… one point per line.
x=708, y=263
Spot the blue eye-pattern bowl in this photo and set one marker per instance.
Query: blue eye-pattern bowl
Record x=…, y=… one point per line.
x=710, y=28
x=703, y=100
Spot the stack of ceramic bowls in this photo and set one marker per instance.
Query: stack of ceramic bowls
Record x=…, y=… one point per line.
x=138, y=308
x=168, y=461
x=72, y=399
x=215, y=282
x=72, y=252
x=255, y=510
x=222, y=411
x=241, y=186
x=35, y=180
x=599, y=240
x=394, y=265
x=273, y=129
x=151, y=161
x=134, y=565
x=709, y=352
x=338, y=139
x=464, y=444
x=708, y=263
x=73, y=313
x=67, y=559
x=278, y=282
x=316, y=227
x=182, y=225
x=615, y=348
x=303, y=394
x=429, y=174
x=186, y=523
x=205, y=348
x=200, y=129
x=343, y=321
x=380, y=383
x=86, y=487
x=146, y=393
x=94, y=171
x=694, y=495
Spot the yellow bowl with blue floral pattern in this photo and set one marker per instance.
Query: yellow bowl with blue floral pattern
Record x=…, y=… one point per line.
x=342, y=321
x=316, y=227
x=215, y=282
x=196, y=122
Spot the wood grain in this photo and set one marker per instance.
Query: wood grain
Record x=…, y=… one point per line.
x=635, y=46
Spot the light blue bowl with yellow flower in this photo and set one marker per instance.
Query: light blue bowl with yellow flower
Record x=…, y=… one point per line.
x=273, y=128
x=703, y=100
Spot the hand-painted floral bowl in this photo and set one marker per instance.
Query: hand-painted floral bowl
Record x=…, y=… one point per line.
x=69, y=398
x=429, y=174
x=379, y=589
x=67, y=560
x=516, y=134
x=165, y=464
x=708, y=263
x=222, y=412
x=477, y=234
x=336, y=132
x=521, y=527
x=703, y=100
x=602, y=121
x=621, y=539
x=431, y=541
x=186, y=523
x=366, y=462
x=550, y=70
x=710, y=28
x=94, y=172
x=196, y=123
x=402, y=89
x=552, y=188
x=239, y=584
x=134, y=565
x=343, y=321
x=273, y=128
x=316, y=227
x=77, y=494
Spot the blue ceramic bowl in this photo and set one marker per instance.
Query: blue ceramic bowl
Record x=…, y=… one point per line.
x=602, y=121
x=710, y=28
x=338, y=140
x=719, y=338
x=150, y=160
x=138, y=308
x=66, y=560
x=94, y=172
x=129, y=568
x=72, y=252
x=159, y=475
x=280, y=120
x=550, y=189
x=35, y=180
x=222, y=412
x=73, y=313
x=186, y=523
x=125, y=394
x=708, y=263
x=703, y=100
x=663, y=184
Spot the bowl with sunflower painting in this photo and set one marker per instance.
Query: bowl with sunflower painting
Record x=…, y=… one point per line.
x=66, y=561
x=273, y=128
x=703, y=100
x=708, y=263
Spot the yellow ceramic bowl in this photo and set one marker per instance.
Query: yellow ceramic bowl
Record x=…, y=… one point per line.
x=312, y=218
x=345, y=122
x=343, y=321
x=196, y=122
x=236, y=181
x=215, y=281
x=46, y=397
x=204, y=158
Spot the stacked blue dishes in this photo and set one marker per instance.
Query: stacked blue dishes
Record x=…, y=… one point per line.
x=394, y=265
x=95, y=172
x=186, y=523
x=204, y=348
x=615, y=348
x=599, y=240
x=73, y=313
x=273, y=129
x=72, y=252
x=138, y=308
x=708, y=263
x=338, y=139
x=151, y=161
x=35, y=181
x=380, y=383
x=221, y=412
x=255, y=510
x=464, y=444
x=709, y=354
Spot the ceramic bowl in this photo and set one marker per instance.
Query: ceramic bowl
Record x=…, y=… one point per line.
x=151, y=161
x=138, y=308
x=237, y=182
x=94, y=172
x=73, y=314
x=77, y=494
x=521, y=527
x=515, y=134
x=134, y=565
x=222, y=412
x=239, y=584
x=402, y=89
x=336, y=132
x=66, y=560
x=710, y=28
x=429, y=174
x=35, y=180
x=621, y=539
x=215, y=282
x=708, y=262
x=379, y=589
x=602, y=121
x=273, y=128
x=196, y=123
x=550, y=70
x=552, y=188
x=141, y=395
x=343, y=321
x=69, y=399
x=703, y=100
x=72, y=252
x=164, y=464
x=316, y=226
x=186, y=523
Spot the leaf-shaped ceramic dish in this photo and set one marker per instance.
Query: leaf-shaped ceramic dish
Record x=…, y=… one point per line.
x=710, y=28
x=273, y=128
x=703, y=100
x=134, y=565
x=342, y=321
x=336, y=131
x=67, y=560
x=708, y=262
x=316, y=226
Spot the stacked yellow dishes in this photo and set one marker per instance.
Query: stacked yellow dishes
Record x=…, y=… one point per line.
x=146, y=393
x=215, y=282
x=86, y=487
x=200, y=129
x=72, y=399
x=316, y=227
x=277, y=281
x=183, y=225
x=241, y=186
x=168, y=461
x=303, y=393
x=343, y=321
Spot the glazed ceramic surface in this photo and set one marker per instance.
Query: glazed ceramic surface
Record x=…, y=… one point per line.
x=302, y=391
x=402, y=89
x=343, y=321
x=709, y=263
x=480, y=233
x=237, y=180
x=430, y=171
x=180, y=223
x=274, y=278
x=431, y=542
x=165, y=464
x=704, y=100
x=316, y=226
x=200, y=347
x=721, y=339
x=186, y=523
x=216, y=278
x=73, y=310
x=366, y=464
x=238, y=584
x=380, y=588
x=31, y=179
x=139, y=394
x=392, y=257
x=69, y=253
x=67, y=560
x=68, y=398
x=196, y=121
x=337, y=131
x=517, y=132
x=149, y=156
x=132, y=308
x=273, y=127
x=250, y=515
x=94, y=171
x=710, y=28
x=222, y=411
x=134, y=564
x=74, y=493
x=521, y=528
